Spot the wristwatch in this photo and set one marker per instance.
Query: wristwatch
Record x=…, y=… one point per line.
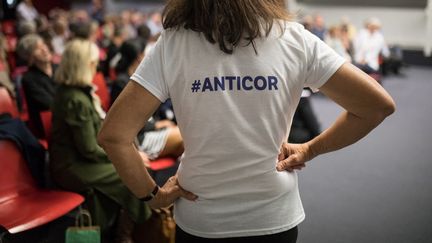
x=151, y=195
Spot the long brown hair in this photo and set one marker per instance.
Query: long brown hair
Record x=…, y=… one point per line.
x=226, y=22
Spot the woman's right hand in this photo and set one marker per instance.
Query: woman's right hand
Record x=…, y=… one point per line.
x=293, y=156
x=169, y=193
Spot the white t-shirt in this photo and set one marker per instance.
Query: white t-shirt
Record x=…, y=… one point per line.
x=234, y=112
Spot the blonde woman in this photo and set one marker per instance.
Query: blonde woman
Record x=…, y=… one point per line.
x=77, y=162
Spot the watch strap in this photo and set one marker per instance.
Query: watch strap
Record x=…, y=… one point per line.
x=151, y=195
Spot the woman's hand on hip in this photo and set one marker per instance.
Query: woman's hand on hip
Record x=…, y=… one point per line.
x=293, y=156
x=169, y=193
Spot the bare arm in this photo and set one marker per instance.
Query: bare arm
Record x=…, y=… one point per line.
x=125, y=118
x=366, y=105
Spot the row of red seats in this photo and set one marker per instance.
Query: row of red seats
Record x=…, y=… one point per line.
x=23, y=204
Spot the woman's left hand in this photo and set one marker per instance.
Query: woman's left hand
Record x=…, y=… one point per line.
x=169, y=193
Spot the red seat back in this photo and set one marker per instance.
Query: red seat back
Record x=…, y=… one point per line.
x=23, y=205
x=7, y=105
x=8, y=27
x=15, y=177
x=102, y=90
x=46, y=117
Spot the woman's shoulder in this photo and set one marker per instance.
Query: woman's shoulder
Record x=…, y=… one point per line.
x=70, y=94
x=293, y=28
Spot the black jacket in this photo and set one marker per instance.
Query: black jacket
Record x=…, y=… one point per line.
x=39, y=91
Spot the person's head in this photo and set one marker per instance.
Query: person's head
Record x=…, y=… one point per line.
x=334, y=31
x=60, y=27
x=42, y=23
x=156, y=17
x=132, y=52
x=319, y=21
x=144, y=32
x=225, y=22
x=85, y=30
x=120, y=31
x=97, y=4
x=33, y=49
x=78, y=64
x=26, y=28
x=373, y=24
x=136, y=18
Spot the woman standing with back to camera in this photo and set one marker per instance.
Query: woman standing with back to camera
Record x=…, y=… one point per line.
x=234, y=71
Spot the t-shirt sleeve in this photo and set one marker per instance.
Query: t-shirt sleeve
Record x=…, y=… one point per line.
x=321, y=61
x=150, y=72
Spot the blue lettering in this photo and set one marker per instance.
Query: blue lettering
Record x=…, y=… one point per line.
x=219, y=83
x=238, y=83
x=247, y=78
x=230, y=80
x=263, y=86
x=273, y=81
x=207, y=85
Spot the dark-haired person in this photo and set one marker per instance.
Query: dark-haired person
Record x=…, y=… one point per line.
x=235, y=71
x=158, y=138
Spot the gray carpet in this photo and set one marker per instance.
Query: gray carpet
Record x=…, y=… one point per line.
x=380, y=189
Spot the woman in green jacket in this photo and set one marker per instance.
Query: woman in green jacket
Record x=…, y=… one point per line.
x=78, y=163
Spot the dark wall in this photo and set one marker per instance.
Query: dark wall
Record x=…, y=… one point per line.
x=44, y=6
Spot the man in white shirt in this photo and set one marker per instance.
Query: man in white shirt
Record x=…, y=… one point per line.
x=369, y=45
x=26, y=11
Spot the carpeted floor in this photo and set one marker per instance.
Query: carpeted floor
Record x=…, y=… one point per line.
x=380, y=189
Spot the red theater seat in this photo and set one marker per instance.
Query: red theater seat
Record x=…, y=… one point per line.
x=102, y=90
x=7, y=105
x=23, y=205
x=162, y=163
x=46, y=123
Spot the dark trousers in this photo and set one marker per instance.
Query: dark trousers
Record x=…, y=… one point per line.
x=289, y=236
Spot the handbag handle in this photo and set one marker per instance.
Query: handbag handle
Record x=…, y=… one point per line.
x=81, y=215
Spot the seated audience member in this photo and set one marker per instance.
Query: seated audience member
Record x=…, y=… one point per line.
x=39, y=87
x=334, y=40
x=60, y=28
x=77, y=162
x=155, y=23
x=26, y=11
x=158, y=138
x=44, y=29
x=97, y=10
x=305, y=125
x=5, y=80
x=143, y=34
x=26, y=28
x=85, y=30
x=119, y=36
x=318, y=27
x=369, y=45
x=347, y=38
